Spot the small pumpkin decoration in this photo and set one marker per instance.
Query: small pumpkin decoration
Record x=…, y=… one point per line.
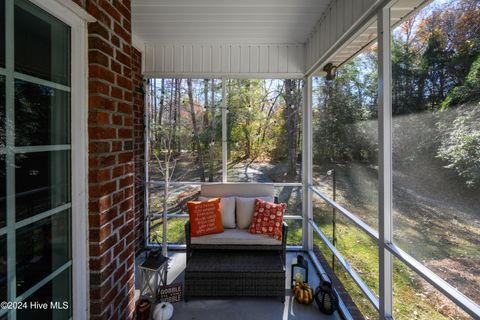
x=163, y=311
x=303, y=293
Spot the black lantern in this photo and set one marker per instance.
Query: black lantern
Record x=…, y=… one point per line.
x=302, y=266
x=326, y=298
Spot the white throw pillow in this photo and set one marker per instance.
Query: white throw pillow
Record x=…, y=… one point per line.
x=227, y=208
x=245, y=208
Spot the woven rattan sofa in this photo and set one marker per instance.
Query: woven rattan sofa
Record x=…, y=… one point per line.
x=236, y=262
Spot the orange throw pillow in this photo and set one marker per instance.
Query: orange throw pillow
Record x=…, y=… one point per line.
x=205, y=217
x=267, y=218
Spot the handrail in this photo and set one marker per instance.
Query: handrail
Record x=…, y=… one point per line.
x=347, y=214
x=199, y=183
x=356, y=278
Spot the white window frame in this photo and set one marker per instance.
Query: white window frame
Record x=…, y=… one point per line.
x=77, y=18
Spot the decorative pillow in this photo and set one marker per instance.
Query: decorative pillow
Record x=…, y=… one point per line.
x=205, y=217
x=267, y=219
x=244, y=210
x=227, y=208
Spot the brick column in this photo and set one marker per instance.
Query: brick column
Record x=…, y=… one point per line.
x=111, y=179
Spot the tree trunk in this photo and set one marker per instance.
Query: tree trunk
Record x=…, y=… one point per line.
x=248, y=142
x=229, y=117
x=291, y=124
x=196, y=136
x=160, y=111
x=205, y=106
x=246, y=131
x=155, y=105
x=213, y=127
x=171, y=104
x=176, y=117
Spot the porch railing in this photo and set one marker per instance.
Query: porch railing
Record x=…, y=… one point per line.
x=438, y=283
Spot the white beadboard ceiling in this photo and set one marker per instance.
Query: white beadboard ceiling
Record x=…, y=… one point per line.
x=256, y=38
x=221, y=21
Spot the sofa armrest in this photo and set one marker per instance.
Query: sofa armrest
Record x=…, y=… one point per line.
x=284, y=240
x=187, y=239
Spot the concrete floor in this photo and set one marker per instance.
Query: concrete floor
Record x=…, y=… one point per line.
x=239, y=308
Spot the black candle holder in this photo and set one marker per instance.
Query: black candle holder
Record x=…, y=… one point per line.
x=301, y=264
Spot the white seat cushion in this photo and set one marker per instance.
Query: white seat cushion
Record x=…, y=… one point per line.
x=227, y=207
x=245, y=206
x=235, y=237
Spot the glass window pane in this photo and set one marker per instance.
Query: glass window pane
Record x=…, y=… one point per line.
x=185, y=121
x=436, y=141
x=264, y=130
x=3, y=268
x=3, y=192
x=345, y=135
x=57, y=291
x=42, y=44
x=2, y=33
x=42, y=115
x=42, y=182
x=41, y=248
x=2, y=112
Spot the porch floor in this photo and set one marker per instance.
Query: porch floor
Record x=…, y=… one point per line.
x=238, y=308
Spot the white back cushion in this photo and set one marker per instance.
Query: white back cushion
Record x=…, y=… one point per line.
x=227, y=208
x=237, y=190
x=244, y=209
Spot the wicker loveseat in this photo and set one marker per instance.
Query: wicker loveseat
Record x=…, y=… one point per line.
x=235, y=262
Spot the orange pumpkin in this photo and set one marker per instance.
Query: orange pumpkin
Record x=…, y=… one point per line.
x=303, y=293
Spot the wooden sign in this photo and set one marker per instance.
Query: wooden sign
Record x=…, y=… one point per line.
x=171, y=293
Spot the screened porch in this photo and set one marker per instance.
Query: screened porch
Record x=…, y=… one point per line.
x=339, y=105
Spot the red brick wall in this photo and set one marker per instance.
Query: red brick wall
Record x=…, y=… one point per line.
x=111, y=180
x=139, y=148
